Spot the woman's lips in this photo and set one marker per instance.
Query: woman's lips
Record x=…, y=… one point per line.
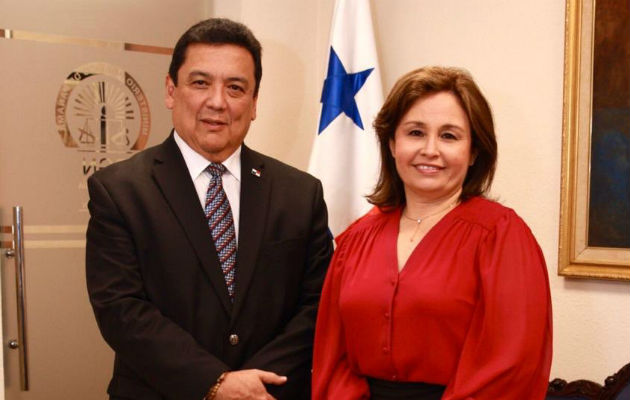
x=428, y=168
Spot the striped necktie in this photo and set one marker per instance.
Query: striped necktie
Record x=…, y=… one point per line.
x=221, y=223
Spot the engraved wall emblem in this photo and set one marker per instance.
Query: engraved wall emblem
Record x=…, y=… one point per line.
x=102, y=108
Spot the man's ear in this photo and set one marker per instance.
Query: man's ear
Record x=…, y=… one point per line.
x=254, y=110
x=169, y=100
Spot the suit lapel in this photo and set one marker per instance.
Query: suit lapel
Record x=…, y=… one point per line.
x=255, y=190
x=172, y=177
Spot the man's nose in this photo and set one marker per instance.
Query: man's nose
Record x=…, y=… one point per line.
x=216, y=98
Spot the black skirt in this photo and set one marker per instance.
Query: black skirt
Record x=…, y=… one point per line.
x=391, y=390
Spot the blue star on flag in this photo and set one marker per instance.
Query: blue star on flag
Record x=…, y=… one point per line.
x=339, y=90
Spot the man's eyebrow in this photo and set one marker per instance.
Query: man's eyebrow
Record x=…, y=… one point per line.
x=196, y=73
x=237, y=79
x=206, y=75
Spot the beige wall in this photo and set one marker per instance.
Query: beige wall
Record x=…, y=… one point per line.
x=67, y=357
x=514, y=49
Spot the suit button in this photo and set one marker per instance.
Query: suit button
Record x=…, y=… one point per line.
x=233, y=339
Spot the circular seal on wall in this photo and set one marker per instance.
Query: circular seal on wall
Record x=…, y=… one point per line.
x=101, y=108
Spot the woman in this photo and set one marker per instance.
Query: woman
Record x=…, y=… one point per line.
x=438, y=292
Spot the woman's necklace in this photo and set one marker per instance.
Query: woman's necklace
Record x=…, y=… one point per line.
x=420, y=219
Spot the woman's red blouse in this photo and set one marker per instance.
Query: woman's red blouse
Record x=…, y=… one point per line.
x=470, y=310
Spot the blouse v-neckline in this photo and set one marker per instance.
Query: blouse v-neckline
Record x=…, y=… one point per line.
x=393, y=230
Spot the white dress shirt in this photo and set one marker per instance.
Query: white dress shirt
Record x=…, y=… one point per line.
x=197, y=165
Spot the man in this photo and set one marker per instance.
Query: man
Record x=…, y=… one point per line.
x=205, y=259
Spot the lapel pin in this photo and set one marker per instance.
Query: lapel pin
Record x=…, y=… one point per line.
x=256, y=172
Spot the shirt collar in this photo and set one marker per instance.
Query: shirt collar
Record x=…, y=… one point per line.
x=197, y=163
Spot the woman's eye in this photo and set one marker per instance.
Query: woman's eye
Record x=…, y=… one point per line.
x=415, y=132
x=449, y=135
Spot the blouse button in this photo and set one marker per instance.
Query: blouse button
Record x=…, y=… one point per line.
x=387, y=315
x=394, y=377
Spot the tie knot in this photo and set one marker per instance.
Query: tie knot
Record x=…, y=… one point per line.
x=216, y=169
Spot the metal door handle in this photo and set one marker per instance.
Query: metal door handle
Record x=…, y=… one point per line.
x=16, y=251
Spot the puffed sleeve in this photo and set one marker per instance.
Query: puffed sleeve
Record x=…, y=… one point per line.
x=507, y=351
x=332, y=375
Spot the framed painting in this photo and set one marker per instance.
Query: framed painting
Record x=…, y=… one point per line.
x=595, y=195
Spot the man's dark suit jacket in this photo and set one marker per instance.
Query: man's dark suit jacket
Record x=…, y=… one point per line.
x=158, y=292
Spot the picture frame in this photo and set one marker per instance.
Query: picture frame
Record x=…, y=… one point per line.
x=578, y=257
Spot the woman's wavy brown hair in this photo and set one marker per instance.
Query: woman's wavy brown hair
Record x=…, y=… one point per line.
x=389, y=191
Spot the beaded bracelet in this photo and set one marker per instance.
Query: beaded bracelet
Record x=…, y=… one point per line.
x=215, y=388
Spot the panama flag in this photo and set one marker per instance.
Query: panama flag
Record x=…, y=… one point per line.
x=345, y=153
